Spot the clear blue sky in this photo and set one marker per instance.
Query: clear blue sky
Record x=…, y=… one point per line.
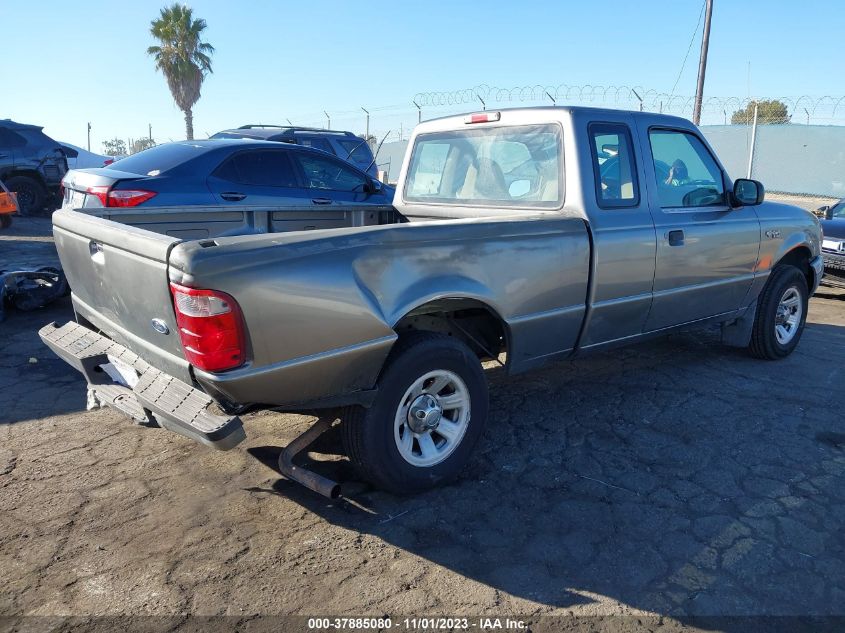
x=86, y=61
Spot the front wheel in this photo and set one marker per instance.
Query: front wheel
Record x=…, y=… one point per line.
x=429, y=414
x=781, y=314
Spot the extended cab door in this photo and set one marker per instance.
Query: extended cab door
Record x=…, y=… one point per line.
x=615, y=200
x=706, y=250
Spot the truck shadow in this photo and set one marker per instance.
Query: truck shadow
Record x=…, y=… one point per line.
x=670, y=477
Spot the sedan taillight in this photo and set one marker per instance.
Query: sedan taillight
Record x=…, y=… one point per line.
x=120, y=197
x=211, y=328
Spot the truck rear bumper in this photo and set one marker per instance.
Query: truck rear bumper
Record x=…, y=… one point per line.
x=174, y=404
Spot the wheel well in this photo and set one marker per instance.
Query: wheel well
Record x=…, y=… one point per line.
x=26, y=173
x=469, y=320
x=800, y=258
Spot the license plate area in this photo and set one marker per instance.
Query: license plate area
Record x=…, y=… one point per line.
x=831, y=245
x=120, y=372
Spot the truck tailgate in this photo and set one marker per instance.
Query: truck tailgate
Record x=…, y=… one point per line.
x=118, y=277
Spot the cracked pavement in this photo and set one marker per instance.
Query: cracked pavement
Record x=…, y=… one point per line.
x=677, y=477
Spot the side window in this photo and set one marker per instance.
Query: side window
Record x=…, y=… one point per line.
x=316, y=143
x=8, y=138
x=358, y=152
x=324, y=173
x=267, y=168
x=614, y=166
x=687, y=175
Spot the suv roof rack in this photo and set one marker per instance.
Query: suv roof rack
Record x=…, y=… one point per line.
x=293, y=128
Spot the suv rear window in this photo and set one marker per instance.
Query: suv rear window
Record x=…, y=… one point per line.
x=8, y=138
x=358, y=151
x=157, y=160
x=516, y=166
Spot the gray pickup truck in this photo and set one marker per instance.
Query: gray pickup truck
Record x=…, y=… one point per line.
x=524, y=236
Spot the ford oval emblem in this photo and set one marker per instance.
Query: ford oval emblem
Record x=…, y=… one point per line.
x=160, y=326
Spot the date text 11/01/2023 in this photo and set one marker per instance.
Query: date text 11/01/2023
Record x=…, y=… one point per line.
x=417, y=624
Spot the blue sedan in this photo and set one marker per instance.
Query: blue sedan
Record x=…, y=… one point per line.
x=232, y=172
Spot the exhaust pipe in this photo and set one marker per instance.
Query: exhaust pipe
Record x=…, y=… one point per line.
x=308, y=478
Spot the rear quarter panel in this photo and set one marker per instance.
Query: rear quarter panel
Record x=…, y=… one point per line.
x=320, y=306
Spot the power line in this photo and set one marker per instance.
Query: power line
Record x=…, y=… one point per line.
x=689, y=48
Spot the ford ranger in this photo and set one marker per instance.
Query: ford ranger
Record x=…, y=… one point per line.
x=524, y=236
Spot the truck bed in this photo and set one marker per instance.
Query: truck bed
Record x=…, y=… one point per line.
x=321, y=306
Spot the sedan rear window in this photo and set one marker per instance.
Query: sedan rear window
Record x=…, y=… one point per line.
x=517, y=166
x=157, y=160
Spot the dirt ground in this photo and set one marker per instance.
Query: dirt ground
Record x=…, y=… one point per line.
x=677, y=478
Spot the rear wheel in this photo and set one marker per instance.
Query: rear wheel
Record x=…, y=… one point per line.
x=428, y=416
x=30, y=193
x=781, y=314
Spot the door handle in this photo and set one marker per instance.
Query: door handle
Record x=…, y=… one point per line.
x=321, y=200
x=676, y=237
x=232, y=196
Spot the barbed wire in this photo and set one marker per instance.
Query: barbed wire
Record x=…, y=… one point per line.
x=613, y=95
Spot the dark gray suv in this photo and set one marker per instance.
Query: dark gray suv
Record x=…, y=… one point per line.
x=31, y=164
x=344, y=145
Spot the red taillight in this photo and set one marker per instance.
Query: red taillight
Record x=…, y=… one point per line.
x=101, y=193
x=211, y=328
x=120, y=197
x=482, y=117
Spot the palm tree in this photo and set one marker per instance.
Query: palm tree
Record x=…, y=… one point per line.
x=182, y=57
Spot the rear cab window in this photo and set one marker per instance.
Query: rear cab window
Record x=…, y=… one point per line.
x=503, y=166
x=614, y=165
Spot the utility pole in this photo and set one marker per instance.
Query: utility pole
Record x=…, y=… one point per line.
x=329, y=119
x=89, y=136
x=419, y=111
x=150, y=132
x=367, y=112
x=702, y=63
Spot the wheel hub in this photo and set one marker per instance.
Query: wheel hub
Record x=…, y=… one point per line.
x=424, y=414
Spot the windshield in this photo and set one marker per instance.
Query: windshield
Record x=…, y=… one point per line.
x=157, y=160
x=839, y=210
x=516, y=166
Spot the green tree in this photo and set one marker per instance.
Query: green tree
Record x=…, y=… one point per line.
x=182, y=57
x=768, y=111
x=114, y=147
x=141, y=144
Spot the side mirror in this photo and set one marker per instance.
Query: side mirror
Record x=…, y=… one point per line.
x=828, y=213
x=375, y=186
x=747, y=192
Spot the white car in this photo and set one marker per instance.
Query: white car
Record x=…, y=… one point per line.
x=78, y=158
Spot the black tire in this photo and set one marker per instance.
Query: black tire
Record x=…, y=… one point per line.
x=31, y=194
x=5, y=221
x=368, y=434
x=764, y=341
